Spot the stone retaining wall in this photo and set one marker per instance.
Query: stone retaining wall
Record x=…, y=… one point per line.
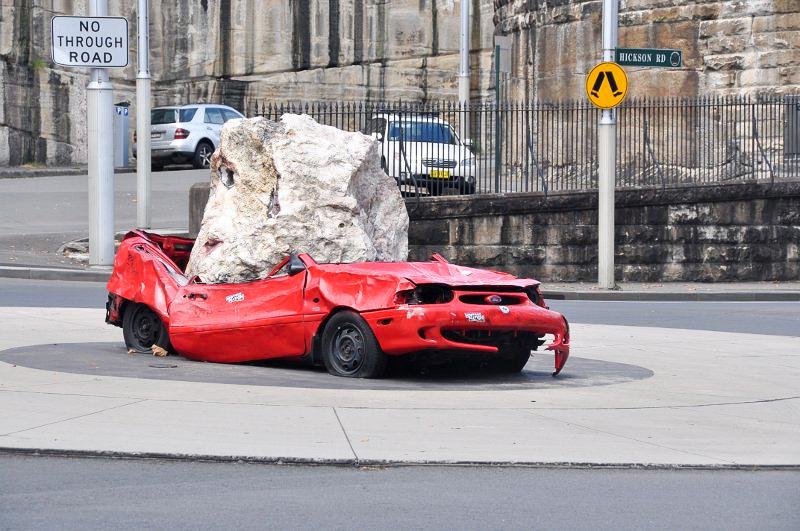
x=710, y=233
x=744, y=232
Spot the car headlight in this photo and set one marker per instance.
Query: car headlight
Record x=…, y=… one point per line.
x=468, y=161
x=425, y=294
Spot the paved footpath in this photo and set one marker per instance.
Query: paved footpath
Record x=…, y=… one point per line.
x=699, y=398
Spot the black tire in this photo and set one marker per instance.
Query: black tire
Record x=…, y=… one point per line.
x=156, y=166
x=142, y=328
x=349, y=348
x=435, y=188
x=512, y=358
x=466, y=188
x=202, y=155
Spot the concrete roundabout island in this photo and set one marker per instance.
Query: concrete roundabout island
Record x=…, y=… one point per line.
x=630, y=396
x=112, y=359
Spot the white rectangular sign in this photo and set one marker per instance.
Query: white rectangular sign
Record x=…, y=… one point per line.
x=98, y=42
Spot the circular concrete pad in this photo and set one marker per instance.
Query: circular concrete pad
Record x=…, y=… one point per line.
x=112, y=359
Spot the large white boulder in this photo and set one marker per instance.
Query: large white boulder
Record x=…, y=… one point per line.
x=296, y=186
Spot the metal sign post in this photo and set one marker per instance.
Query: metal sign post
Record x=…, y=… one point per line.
x=100, y=125
x=463, y=71
x=143, y=155
x=99, y=42
x=607, y=160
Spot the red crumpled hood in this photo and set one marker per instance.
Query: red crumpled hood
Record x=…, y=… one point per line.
x=432, y=273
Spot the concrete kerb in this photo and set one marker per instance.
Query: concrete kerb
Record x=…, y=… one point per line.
x=360, y=463
x=53, y=273
x=102, y=275
x=690, y=296
x=26, y=173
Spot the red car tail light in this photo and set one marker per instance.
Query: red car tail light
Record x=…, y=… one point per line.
x=181, y=133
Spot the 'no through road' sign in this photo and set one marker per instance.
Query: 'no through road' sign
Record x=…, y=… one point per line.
x=97, y=42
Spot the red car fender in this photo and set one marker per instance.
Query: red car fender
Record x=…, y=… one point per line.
x=144, y=274
x=327, y=292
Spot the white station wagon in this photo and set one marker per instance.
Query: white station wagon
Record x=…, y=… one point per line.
x=423, y=149
x=186, y=134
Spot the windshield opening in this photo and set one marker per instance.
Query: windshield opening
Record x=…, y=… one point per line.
x=435, y=133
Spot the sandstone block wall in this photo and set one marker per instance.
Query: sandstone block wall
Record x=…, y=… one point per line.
x=729, y=46
x=235, y=52
x=241, y=51
x=712, y=233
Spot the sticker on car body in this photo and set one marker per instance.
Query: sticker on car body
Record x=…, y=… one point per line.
x=236, y=297
x=475, y=317
x=504, y=309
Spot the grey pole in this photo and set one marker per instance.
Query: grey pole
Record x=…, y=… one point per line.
x=463, y=71
x=100, y=140
x=143, y=218
x=607, y=160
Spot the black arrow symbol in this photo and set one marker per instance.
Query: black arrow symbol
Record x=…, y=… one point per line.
x=597, y=84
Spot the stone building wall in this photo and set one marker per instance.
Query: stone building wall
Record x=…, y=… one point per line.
x=236, y=52
x=729, y=46
x=241, y=51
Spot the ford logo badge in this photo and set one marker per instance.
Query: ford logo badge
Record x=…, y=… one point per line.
x=494, y=299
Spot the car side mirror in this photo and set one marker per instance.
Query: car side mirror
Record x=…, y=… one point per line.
x=295, y=266
x=469, y=144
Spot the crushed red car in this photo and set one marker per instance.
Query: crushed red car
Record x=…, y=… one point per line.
x=349, y=317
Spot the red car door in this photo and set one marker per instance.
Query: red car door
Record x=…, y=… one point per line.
x=239, y=322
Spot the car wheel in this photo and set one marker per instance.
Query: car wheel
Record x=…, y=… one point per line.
x=156, y=166
x=142, y=328
x=512, y=358
x=202, y=155
x=466, y=188
x=349, y=348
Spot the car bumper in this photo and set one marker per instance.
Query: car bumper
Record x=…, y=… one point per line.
x=423, y=327
x=176, y=151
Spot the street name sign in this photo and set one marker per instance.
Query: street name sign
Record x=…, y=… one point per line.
x=606, y=85
x=97, y=42
x=658, y=57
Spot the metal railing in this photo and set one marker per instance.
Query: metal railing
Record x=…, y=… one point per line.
x=447, y=148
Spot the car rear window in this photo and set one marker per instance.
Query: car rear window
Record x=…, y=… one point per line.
x=171, y=116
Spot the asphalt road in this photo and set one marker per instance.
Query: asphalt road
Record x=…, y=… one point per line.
x=772, y=318
x=39, y=214
x=70, y=493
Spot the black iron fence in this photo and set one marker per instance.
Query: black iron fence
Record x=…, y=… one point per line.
x=445, y=147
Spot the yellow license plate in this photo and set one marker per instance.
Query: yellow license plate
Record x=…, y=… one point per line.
x=440, y=174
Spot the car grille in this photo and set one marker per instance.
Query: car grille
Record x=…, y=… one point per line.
x=505, y=300
x=475, y=337
x=439, y=163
